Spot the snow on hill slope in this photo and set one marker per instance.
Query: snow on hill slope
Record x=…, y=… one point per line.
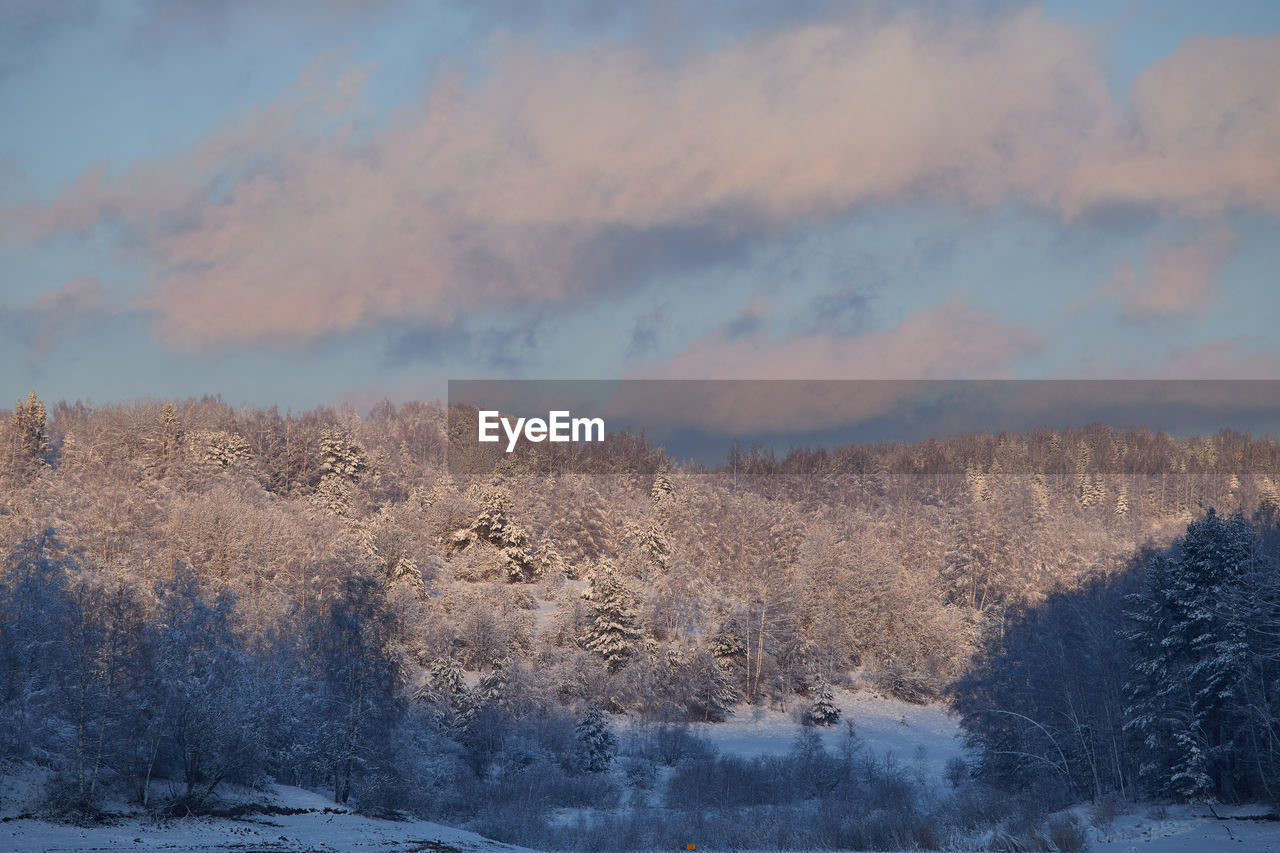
x=319, y=828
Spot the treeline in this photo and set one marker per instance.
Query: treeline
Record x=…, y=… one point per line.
x=207, y=594
x=1161, y=681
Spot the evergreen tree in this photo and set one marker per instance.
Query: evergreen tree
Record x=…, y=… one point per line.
x=823, y=711
x=729, y=650
x=491, y=691
x=728, y=646
x=341, y=454
x=714, y=692
x=495, y=524
x=1192, y=661
x=219, y=447
x=612, y=625
x=448, y=691
x=170, y=431
x=597, y=746
x=654, y=541
x=32, y=425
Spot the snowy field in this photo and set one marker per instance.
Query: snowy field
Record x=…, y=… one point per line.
x=923, y=736
x=320, y=828
x=1188, y=829
x=919, y=738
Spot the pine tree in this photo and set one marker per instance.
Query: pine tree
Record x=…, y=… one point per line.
x=612, y=625
x=597, y=746
x=1040, y=494
x=492, y=688
x=979, y=490
x=714, y=692
x=653, y=539
x=729, y=650
x=495, y=525
x=823, y=711
x=1192, y=662
x=333, y=495
x=727, y=646
x=170, y=431
x=447, y=690
x=341, y=454
x=31, y=427
x=219, y=447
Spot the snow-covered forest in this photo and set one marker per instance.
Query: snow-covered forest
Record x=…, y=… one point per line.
x=196, y=598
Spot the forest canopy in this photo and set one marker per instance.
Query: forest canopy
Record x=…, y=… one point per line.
x=214, y=594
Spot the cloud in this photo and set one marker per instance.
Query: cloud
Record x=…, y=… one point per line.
x=946, y=342
x=647, y=329
x=500, y=347
x=1222, y=358
x=49, y=316
x=1178, y=278
x=842, y=311
x=562, y=176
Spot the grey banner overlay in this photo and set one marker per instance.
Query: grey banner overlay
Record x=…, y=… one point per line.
x=709, y=423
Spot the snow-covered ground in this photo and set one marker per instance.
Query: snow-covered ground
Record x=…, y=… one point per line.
x=913, y=735
x=916, y=737
x=1187, y=829
x=313, y=831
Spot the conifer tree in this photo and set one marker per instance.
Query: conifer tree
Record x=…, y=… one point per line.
x=823, y=711
x=653, y=539
x=495, y=524
x=170, y=431
x=612, y=625
x=447, y=690
x=1192, y=661
x=714, y=691
x=31, y=427
x=219, y=447
x=597, y=746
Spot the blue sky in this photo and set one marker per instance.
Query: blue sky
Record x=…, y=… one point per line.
x=312, y=203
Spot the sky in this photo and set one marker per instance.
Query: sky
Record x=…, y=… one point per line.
x=297, y=204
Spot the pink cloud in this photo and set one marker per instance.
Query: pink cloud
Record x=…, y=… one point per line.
x=287, y=225
x=1179, y=277
x=1224, y=358
x=1200, y=135
x=946, y=342
x=51, y=314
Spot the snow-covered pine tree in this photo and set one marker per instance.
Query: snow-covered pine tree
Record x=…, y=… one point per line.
x=448, y=691
x=729, y=650
x=823, y=711
x=612, y=625
x=493, y=684
x=341, y=454
x=333, y=495
x=30, y=424
x=170, y=431
x=219, y=447
x=496, y=526
x=1192, y=660
x=1269, y=495
x=1039, y=494
x=714, y=691
x=728, y=646
x=653, y=540
x=979, y=490
x=597, y=746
